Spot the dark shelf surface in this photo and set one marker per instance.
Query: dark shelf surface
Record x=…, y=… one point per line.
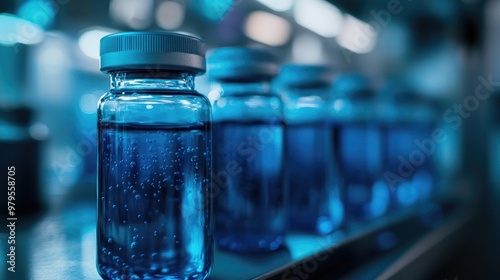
x=61, y=244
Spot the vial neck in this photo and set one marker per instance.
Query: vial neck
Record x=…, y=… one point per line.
x=165, y=80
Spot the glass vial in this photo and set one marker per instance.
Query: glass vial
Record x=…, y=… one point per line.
x=248, y=152
x=312, y=174
x=154, y=159
x=354, y=121
x=409, y=120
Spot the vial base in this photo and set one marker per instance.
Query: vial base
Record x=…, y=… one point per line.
x=249, y=243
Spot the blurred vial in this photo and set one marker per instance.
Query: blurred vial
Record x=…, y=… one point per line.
x=154, y=211
x=447, y=157
x=249, y=191
x=359, y=147
x=410, y=148
x=20, y=144
x=312, y=174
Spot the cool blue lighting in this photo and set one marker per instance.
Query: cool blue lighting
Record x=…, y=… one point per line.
x=16, y=30
x=380, y=200
x=423, y=182
x=407, y=193
x=214, y=10
x=39, y=12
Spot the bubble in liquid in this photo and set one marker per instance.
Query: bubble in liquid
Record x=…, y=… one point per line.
x=133, y=245
x=132, y=164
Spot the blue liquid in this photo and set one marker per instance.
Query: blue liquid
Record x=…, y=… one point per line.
x=152, y=220
x=313, y=178
x=415, y=183
x=249, y=188
x=361, y=163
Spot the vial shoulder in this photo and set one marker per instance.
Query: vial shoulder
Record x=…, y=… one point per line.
x=154, y=106
x=166, y=97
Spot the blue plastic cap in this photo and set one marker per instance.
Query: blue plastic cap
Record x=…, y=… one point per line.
x=152, y=51
x=352, y=85
x=241, y=63
x=304, y=75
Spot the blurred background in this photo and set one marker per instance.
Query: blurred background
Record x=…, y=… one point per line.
x=446, y=50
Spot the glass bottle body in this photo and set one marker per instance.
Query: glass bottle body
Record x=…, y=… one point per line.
x=154, y=155
x=248, y=163
x=360, y=149
x=312, y=174
x=409, y=153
